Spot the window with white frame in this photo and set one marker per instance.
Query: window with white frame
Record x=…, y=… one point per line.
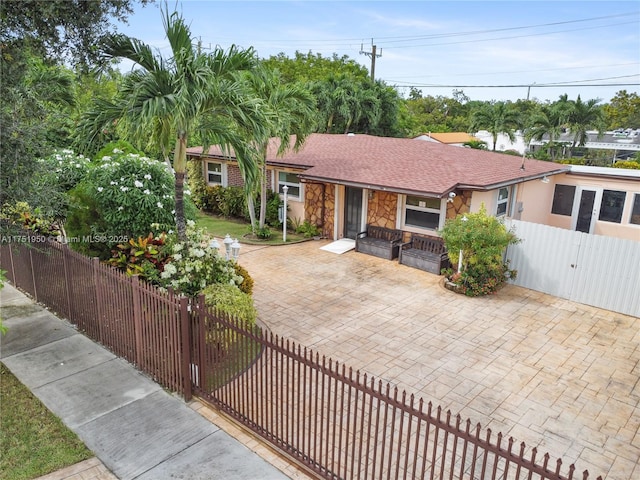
x=502, y=207
x=292, y=181
x=612, y=205
x=563, y=196
x=215, y=173
x=422, y=212
x=635, y=210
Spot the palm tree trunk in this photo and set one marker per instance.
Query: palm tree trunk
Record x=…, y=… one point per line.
x=252, y=211
x=263, y=188
x=179, y=165
x=329, y=123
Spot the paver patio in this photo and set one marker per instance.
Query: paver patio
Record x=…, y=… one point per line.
x=555, y=374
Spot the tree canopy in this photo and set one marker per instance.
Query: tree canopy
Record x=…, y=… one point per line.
x=61, y=28
x=310, y=67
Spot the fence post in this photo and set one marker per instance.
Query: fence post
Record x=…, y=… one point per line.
x=96, y=284
x=137, y=320
x=33, y=274
x=185, y=324
x=67, y=285
x=13, y=268
x=202, y=339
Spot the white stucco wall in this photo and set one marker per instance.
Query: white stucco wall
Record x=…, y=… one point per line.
x=503, y=141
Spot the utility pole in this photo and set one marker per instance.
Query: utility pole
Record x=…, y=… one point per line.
x=373, y=56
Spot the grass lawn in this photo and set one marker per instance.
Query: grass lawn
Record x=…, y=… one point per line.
x=33, y=442
x=220, y=226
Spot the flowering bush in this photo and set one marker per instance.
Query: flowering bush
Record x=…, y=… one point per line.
x=66, y=168
x=132, y=192
x=120, y=197
x=193, y=265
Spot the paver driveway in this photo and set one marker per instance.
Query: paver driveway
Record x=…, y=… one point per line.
x=552, y=373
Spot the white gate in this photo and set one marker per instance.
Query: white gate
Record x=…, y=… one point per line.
x=592, y=269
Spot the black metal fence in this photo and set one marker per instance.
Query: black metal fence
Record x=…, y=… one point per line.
x=337, y=422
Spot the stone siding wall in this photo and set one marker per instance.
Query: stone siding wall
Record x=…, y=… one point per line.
x=461, y=204
x=314, y=198
x=383, y=208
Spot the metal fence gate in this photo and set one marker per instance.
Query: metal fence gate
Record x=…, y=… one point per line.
x=595, y=270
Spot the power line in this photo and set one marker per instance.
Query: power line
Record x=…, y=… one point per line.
x=395, y=39
x=504, y=72
x=535, y=85
x=575, y=83
x=511, y=37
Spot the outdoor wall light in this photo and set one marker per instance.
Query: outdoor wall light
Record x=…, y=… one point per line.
x=235, y=249
x=371, y=194
x=544, y=179
x=227, y=245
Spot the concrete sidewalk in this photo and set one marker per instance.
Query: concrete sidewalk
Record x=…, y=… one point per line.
x=134, y=427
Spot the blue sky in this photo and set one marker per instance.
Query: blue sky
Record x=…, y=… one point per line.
x=435, y=46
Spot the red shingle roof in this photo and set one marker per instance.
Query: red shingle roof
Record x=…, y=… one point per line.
x=403, y=164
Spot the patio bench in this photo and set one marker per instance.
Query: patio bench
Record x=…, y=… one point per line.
x=425, y=253
x=379, y=241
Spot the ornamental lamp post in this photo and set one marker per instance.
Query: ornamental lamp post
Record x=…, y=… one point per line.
x=227, y=245
x=214, y=244
x=235, y=249
x=285, y=189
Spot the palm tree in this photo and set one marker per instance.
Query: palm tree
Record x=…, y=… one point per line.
x=166, y=100
x=584, y=116
x=290, y=110
x=345, y=101
x=550, y=121
x=496, y=118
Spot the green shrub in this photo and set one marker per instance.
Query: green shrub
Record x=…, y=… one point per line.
x=197, y=185
x=482, y=240
x=308, y=229
x=231, y=201
x=144, y=257
x=632, y=164
x=246, y=285
x=273, y=204
x=20, y=215
x=229, y=300
x=85, y=221
x=122, y=146
x=264, y=233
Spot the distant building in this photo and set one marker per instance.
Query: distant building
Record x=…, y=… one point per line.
x=456, y=139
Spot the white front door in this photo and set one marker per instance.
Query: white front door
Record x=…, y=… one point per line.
x=586, y=209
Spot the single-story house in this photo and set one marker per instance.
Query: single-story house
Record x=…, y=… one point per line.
x=456, y=139
x=341, y=183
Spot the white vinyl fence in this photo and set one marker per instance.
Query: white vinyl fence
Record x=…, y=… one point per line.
x=592, y=269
